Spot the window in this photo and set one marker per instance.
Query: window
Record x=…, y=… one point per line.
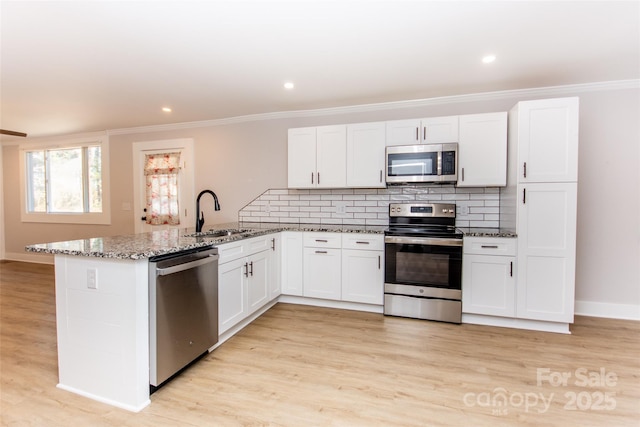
x=65, y=182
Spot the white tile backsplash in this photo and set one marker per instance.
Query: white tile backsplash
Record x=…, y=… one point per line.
x=369, y=206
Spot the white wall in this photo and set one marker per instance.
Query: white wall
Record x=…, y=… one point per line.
x=2, y=244
x=240, y=160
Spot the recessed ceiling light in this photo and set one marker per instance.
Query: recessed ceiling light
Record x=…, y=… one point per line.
x=488, y=59
x=288, y=85
x=166, y=109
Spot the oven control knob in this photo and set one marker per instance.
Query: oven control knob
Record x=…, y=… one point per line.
x=422, y=291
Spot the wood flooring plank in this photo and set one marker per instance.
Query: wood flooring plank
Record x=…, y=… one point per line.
x=311, y=366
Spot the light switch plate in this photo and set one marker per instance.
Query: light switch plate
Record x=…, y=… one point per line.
x=92, y=278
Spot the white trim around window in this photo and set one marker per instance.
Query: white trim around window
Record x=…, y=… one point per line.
x=102, y=218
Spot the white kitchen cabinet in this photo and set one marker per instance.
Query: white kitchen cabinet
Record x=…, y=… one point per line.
x=488, y=276
x=541, y=205
x=482, y=150
x=322, y=262
x=546, y=251
x=244, y=279
x=366, y=155
x=547, y=135
x=422, y=131
x=362, y=268
x=317, y=157
x=292, y=274
x=275, y=259
x=232, y=300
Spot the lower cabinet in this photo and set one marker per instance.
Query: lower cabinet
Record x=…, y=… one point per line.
x=291, y=262
x=488, y=276
x=363, y=268
x=322, y=265
x=245, y=279
x=343, y=267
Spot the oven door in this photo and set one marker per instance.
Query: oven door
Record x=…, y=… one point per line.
x=424, y=261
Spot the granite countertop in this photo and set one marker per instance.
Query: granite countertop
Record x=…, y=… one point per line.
x=486, y=232
x=147, y=245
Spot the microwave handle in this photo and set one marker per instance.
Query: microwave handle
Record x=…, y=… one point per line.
x=439, y=162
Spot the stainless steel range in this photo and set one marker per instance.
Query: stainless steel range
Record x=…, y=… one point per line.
x=423, y=262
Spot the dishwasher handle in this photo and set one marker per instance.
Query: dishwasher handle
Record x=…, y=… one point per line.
x=187, y=266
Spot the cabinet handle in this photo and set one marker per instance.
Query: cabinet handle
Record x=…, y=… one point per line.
x=273, y=244
x=321, y=252
x=246, y=269
x=525, y=169
x=362, y=243
x=251, y=265
x=417, y=134
x=524, y=196
x=322, y=240
x=318, y=178
x=511, y=268
x=380, y=175
x=378, y=262
x=312, y=177
x=424, y=133
x=489, y=246
x=463, y=174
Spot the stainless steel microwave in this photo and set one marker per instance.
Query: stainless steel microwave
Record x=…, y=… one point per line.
x=422, y=163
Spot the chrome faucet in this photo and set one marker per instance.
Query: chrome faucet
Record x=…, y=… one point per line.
x=200, y=221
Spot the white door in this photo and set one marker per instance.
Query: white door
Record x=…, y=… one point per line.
x=548, y=140
x=439, y=130
x=482, y=150
x=546, y=251
x=302, y=158
x=403, y=132
x=365, y=155
x=322, y=273
x=186, y=196
x=331, y=160
x=488, y=285
x=362, y=276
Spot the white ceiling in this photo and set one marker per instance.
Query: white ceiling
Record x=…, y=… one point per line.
x=79, y=66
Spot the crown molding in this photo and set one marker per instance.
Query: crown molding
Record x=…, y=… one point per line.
x=413, y=103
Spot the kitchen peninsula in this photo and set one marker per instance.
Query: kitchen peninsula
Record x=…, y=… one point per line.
x=102, y=303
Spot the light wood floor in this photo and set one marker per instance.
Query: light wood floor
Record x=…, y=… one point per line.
x=301, y=366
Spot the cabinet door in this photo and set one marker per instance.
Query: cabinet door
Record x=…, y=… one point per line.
x=548, y=140
x=275, y=261
x=302, y=158
x=546, y=251
x=439, y=130
x=482, y=150
x=403, y=132
x=322, y=273
x=292, y=263
x=232, y=306
x=362, y=276
x=365, y=155
x=331, y=160
x=488, y=285
x=258, y=281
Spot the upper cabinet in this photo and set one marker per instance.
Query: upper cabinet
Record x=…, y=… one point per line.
x=317, y=157
x=547, y=135
x=482, y=150
x=422, y=131
x=365, y=155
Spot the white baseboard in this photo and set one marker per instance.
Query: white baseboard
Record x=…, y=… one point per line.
x=29, y=257
x=608, y=310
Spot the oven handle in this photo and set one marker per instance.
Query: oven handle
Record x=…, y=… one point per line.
x=422, y=241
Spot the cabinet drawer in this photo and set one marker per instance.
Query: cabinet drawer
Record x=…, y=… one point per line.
x=372, y=242
x=259, y=244
x=490, y=245
x=230, y=251
x=322, y=240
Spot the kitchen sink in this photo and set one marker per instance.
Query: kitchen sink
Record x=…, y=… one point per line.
x=221, y=233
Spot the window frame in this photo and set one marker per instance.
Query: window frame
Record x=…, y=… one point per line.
x=99, y=218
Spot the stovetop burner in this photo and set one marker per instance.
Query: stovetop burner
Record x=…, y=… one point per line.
x=423, y=220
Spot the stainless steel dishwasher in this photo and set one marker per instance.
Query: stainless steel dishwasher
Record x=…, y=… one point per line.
x=183, y=310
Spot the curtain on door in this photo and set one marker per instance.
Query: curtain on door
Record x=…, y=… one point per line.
x=161, y=173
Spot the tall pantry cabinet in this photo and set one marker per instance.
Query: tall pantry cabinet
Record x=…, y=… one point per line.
x=540, y=203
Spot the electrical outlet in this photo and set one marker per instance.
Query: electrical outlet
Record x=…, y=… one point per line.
x=463, y=210
x=92, y=278
x=341, y=208
x=267, y=207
